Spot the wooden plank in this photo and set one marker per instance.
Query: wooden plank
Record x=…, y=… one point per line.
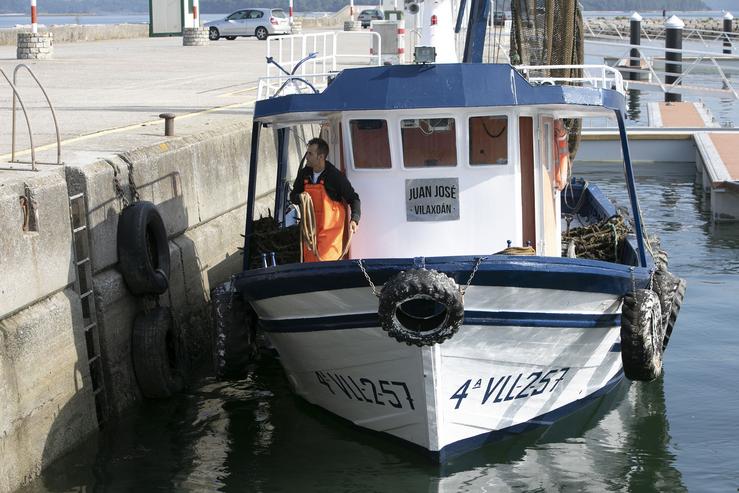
x=727, y=144
x=680, y=114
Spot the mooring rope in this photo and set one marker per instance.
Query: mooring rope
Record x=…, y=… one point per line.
x=308, y=229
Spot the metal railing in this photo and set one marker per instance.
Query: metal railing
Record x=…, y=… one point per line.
x=596, y=76
x=18, y=100
x=326, y=52
x=708, y=37
x=701, y=71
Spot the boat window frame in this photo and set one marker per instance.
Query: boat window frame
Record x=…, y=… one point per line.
x=512, y=133
x=435, y=114
x=388, y=128
x=392, y=124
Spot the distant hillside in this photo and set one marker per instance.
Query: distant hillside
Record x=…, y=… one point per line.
x=222, y=6
x=730, y=5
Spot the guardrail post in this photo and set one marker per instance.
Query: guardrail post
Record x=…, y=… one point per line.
x=635, y=39
x=728, y=19
x=673, y=41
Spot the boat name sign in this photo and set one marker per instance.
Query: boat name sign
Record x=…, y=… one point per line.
x=432, y=199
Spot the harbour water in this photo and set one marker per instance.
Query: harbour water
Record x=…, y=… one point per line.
x=678, y=433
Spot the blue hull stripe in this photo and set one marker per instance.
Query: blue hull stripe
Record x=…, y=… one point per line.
x=532, y=272
x=493, y=319
x=547, y=419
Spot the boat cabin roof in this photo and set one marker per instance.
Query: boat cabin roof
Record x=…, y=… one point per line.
x=399, y=87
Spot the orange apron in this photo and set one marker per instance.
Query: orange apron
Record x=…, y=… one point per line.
x=330, y=221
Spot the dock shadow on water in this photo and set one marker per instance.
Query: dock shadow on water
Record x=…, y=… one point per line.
x=255, y=435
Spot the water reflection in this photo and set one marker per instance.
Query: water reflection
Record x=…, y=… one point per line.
x=633, y=110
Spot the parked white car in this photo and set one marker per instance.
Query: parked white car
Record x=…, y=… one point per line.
x=250, y=22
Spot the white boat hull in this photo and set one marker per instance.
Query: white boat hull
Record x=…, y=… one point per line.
x=488, y=380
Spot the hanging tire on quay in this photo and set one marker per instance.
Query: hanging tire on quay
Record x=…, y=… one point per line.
x=143, y=249
x=642, y=333
x=157, y=357
x=421, y=307
x=671, y=292
x=234, y=333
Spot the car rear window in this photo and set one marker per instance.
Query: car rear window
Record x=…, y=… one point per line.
x=278, y=13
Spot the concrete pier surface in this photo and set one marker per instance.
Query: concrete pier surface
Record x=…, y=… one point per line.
x=108, y=94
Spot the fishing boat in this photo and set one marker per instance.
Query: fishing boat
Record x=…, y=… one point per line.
x=464, y=311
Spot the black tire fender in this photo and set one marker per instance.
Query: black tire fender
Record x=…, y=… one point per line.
x=421, y=284
x=671, y=292
x=143, y=249
x=642, y=333
x=234, y=332
x=157, y=357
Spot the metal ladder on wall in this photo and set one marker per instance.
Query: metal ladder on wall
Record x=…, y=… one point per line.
x=83, y=286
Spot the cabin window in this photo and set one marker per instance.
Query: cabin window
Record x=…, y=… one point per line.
x=370, y=144
x=429, y=142
x=488, y=140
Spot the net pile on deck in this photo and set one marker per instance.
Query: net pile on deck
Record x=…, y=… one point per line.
x=601, y=241
x=269, y=237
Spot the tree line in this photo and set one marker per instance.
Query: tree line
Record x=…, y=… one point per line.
x=224, y=6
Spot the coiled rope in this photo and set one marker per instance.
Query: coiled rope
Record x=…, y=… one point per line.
x=308, y=229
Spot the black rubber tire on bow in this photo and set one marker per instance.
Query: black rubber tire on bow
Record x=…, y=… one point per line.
x=421, y=283
x=642, y=333
x=213, y=34
x=157, y=356
x=143, y=249
x=671, y=291
x=234, y=333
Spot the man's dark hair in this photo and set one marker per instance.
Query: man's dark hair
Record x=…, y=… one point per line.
x=322, y=146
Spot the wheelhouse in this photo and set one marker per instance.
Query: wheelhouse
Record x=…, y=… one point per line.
x=465, y=171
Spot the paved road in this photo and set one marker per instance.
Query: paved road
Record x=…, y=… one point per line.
x=108, y=94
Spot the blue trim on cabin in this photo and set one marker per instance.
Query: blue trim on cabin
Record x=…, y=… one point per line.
x=483, y=318
x=498, y=270
x=450, y=85
x=547, y=419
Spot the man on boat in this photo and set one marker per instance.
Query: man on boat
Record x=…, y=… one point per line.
x=329, y=191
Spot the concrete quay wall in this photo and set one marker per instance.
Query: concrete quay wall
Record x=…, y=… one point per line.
x=71, y=33
x=198, y=183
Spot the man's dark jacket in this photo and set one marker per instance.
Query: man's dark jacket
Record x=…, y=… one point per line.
x=336, y=184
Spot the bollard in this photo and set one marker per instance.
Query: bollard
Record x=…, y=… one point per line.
x=635, y=39
x=272, y=259
x=264, y=260
x=728, y=18
x=673, y=41
x=168, y=124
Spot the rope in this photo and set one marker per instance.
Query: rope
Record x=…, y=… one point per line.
x=308, y=228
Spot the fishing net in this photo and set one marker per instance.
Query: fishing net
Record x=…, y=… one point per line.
x=601, y=241
x=268, y=237
x=549, y=32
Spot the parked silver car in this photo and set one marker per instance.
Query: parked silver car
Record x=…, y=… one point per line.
x=250, y=22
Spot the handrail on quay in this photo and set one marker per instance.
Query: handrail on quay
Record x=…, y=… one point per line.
x=17, y=99
x=28, y=121
x=51, y=108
